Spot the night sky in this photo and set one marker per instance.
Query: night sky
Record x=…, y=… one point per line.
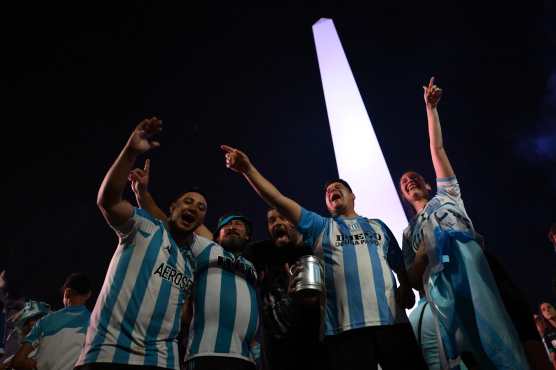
x=77, y=78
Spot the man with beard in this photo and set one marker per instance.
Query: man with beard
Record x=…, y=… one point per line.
x=136, y=319
x=291, y=327
x=225, y=322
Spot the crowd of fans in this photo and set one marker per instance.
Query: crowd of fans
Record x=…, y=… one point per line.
x=178, y=296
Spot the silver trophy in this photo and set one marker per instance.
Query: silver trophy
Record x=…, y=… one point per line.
x=308, y=276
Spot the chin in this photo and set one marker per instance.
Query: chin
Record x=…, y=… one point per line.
x=281, y=242
x=186, y=229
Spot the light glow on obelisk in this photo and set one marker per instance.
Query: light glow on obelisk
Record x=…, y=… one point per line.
x=358, y=155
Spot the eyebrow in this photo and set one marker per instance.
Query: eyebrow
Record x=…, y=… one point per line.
x=193, y=199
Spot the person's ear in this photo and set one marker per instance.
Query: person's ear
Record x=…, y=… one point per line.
x=67, y=293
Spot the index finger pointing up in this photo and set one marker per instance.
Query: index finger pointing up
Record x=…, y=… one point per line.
x=431, y=82
x=227, y=148
x=147, y=167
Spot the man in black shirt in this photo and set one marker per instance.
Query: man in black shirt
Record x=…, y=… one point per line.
x=291, y=327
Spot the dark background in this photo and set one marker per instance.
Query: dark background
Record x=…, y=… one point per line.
x=76, y=79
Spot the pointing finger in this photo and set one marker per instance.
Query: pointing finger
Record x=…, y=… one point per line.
x=227, y=148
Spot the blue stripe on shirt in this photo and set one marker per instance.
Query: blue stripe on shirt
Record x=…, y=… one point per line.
x=378, y=277
x=171, y=345
x=351, y=276
x=227, y=314
x=252, y=327
x=200, y=292
x=151, y=352
x=331, y=315
x=111, y=299
x=445, y=179
x=121, y=356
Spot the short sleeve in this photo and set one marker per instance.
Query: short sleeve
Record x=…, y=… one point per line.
x=449, y=187
x=311, y=226
x=394, y=255
x=199, y=245
x=128, y=229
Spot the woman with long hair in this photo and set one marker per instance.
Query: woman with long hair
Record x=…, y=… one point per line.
x=444, y=258
x=546, y=325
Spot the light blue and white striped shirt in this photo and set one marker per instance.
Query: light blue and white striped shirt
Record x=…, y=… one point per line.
x=359, y=256
x=226, y=314
x=137, y=315
x=445, y=210
x=58, y=338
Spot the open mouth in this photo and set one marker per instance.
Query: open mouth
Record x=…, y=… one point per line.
x=232, y=232
x=279, y=231
x=335, y=196
x=187, y=217
x=410, y=186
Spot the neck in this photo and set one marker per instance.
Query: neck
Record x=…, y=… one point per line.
x=236, y=250
x=350, y=213
x=75, y=301
x=419, y=204
x=182, y=239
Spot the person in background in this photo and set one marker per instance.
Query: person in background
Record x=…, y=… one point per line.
x=23, y=321
x=552, y=235
x=546, y=325
x=58, y=336
x=11, y=303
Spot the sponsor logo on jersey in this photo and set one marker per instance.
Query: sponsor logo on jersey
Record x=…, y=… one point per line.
x=358, y=239
x=178, y=279
x=238, y=266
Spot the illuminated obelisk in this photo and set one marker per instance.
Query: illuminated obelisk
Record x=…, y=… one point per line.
x=358, y=155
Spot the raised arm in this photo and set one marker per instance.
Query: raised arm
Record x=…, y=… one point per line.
x=139, y=179
x=116, y=210
x=237, y=161
x=440, y=161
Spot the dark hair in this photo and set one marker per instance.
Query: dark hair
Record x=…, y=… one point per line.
x=230, y=216
x=343, y=182
x=77, y=282
x=551, y=231
x=547, y=324
x=191, y=189
x=407, y=206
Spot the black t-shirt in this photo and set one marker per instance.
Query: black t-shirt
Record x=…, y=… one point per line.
x=550, y=340
x=282, y=316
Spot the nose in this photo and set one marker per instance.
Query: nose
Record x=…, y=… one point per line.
x=191, y=209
